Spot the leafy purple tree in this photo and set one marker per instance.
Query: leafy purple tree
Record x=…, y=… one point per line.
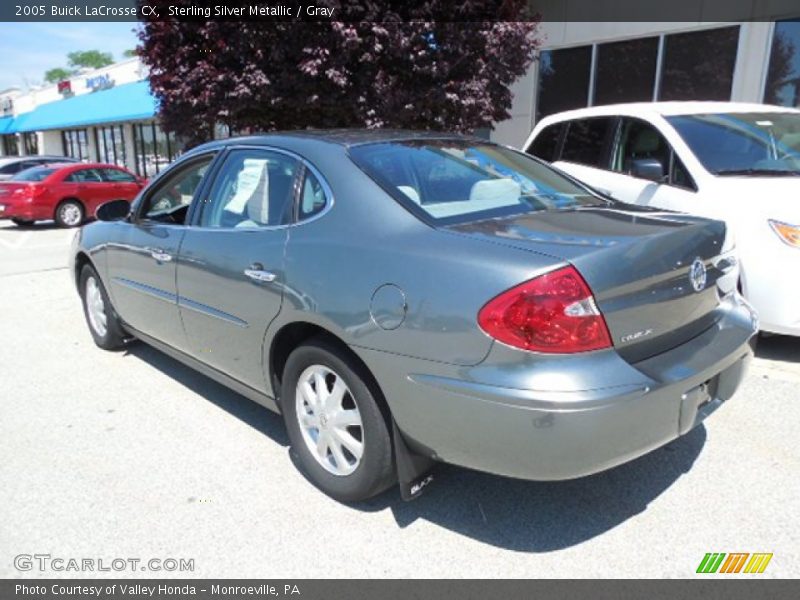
x=375, y=72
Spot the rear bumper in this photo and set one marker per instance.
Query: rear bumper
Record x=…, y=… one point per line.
x=549, y=418
x=21, y=210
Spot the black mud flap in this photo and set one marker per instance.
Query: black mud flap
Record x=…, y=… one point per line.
x=413, y=469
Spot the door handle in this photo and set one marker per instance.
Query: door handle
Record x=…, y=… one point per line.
x=256, y=272
x=159, y=255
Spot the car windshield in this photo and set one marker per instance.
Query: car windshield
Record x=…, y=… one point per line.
x=454, y=181
x=34, y=174
x=756, y=144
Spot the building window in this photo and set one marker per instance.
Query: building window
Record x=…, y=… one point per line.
x=695, y=65
x=76, y=143
x=30, y=144
x=563, y=80
x=626, y=71
x=10, y=145
x=110, y=142
x=155, y=149
x=698, y=65
x=783, y=74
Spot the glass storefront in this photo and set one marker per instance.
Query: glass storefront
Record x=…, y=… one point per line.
x=783, y=75
x=76, y=143
x=664, y=67
x=155, y=149
x=626, y=71
x=699, y=65
x=110, y=143
x=30, y=143
x=10, y=145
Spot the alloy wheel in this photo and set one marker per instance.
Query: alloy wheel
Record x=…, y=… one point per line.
x=70, y=214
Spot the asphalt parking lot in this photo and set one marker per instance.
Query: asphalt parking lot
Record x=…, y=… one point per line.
x=133, y=455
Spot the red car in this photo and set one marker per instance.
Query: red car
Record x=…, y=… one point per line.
x=66, y=192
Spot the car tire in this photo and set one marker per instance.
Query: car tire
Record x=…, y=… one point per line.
x=22, y=222
x=70, y=213
x=337, y=470
x=103, y=322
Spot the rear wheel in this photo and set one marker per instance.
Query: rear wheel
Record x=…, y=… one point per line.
x=21, y=222
x=104, y=325
x=69, y=213
x=336, y=426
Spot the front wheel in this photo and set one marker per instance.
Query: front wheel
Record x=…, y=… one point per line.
x=69, y=213
x=335, y=424
x=104, y=325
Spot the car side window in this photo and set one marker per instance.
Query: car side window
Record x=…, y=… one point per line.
x=313, y=198
x=545, y=146
x=117, y=176
x=84, y=176
x=253, y=189
x=586, y=141
x=169, y=201
x=637, y=140
x=679, y=176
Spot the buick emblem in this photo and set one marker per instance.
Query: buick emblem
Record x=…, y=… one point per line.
x=697, y=275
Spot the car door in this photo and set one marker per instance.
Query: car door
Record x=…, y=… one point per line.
x=122, y=185
x=87, y=186
x=639, y=140
x=231, y=267
x=142, y=262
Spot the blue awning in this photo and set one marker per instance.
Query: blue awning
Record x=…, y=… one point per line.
x=5, y=125
x=127, y=102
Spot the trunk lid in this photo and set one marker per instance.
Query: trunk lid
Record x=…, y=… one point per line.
x=642, y=265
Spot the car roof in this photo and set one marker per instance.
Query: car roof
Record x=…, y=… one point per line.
x=341, y=137
x=7, y=160
x=667, y=109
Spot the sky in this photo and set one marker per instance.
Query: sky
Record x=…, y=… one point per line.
x=30, y=49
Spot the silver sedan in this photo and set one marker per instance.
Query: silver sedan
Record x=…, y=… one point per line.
x=406, y=298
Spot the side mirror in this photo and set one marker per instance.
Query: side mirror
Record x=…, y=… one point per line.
x=115, y=210
x=648, y=168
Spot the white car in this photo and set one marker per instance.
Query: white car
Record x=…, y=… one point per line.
x=739, y=163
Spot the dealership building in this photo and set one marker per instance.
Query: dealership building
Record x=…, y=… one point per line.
x=110, y=115
x=106, y=115
x=592, y=63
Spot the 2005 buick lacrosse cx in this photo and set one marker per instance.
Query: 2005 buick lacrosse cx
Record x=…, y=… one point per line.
x=403, y=298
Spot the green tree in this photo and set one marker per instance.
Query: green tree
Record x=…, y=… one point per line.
x=92, y=59
x=130, y=53
x=57, y=74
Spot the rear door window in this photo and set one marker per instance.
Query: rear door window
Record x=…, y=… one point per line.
x=587, y=141
x=84, y=176
x=253, y=189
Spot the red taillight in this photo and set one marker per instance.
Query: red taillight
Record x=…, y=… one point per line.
x=31, y=191
x=554, y=313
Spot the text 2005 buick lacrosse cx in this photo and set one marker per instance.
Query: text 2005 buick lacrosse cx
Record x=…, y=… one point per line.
x=405, y=298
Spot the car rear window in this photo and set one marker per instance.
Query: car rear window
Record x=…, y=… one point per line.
x=545, y=146
x=34, y=174
x=453, y=181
